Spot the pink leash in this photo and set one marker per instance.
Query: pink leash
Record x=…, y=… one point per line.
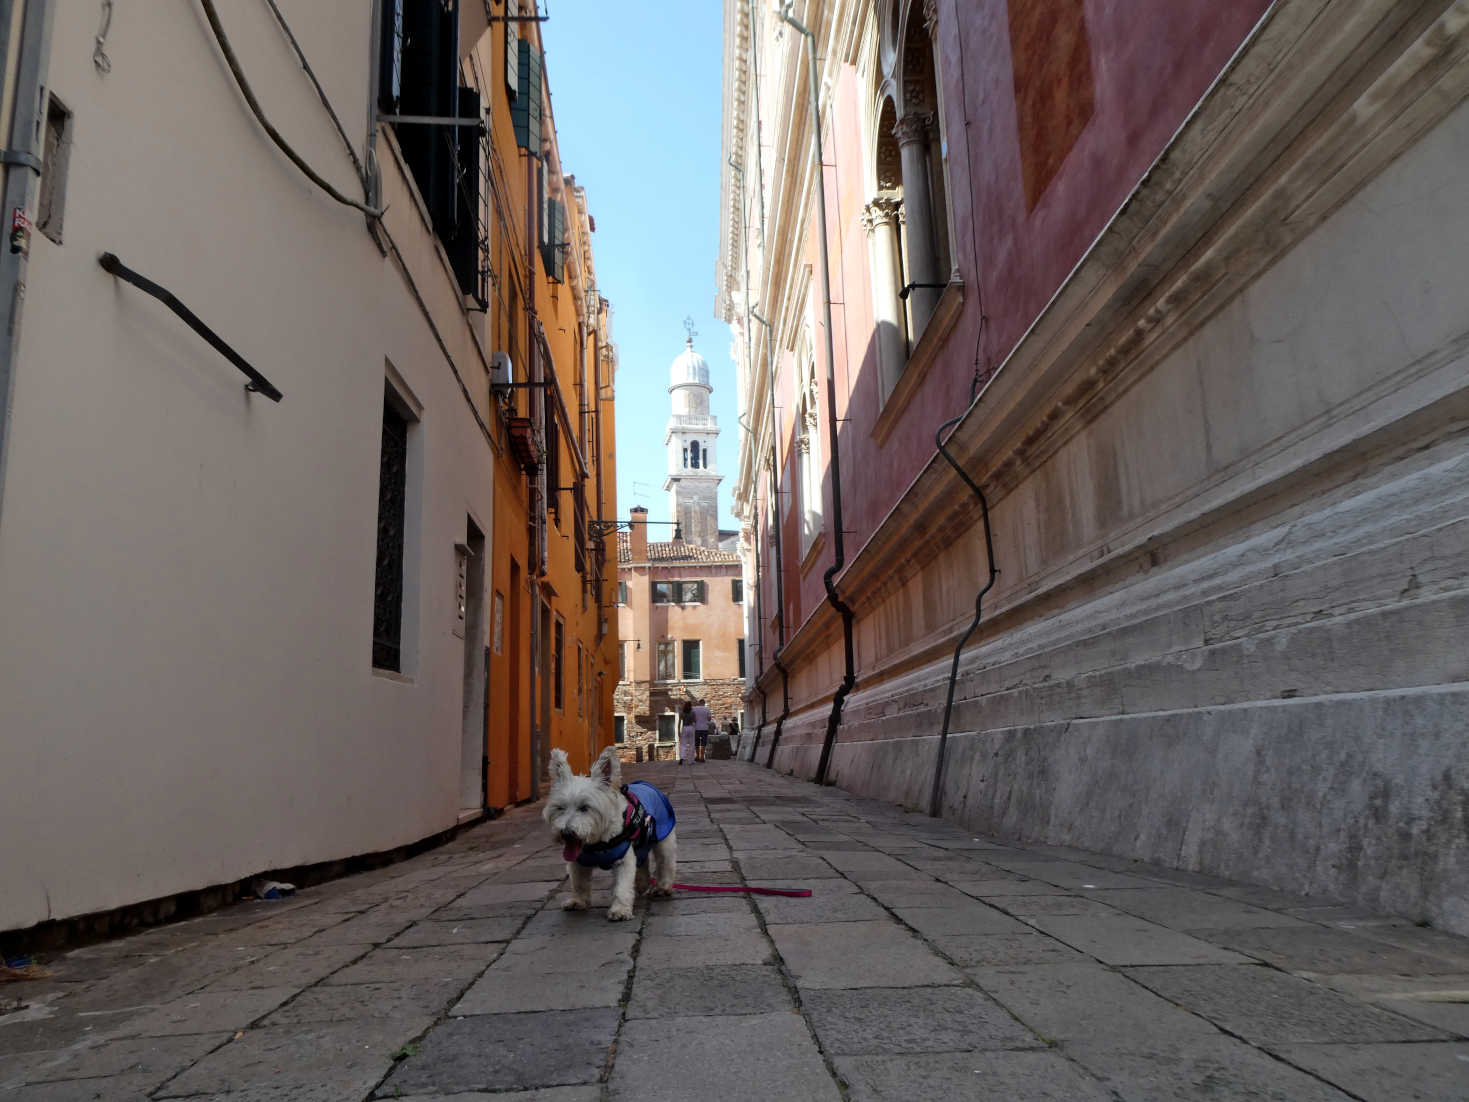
x=798, y=893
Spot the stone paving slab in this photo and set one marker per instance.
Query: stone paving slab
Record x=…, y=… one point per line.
x=1272, y=1008
x=490, y=1052
x=1313, y=949
x=1083, y=1001
x=351, y=1002
x=206, y=1012
x=1123, y=940
x=1441, y=1001
x=912, y=1019
x=1390, y=1073
x=946, y=1077
x=509, y=991
x=389, y=964
x=859, y=954
x=350, y=1056
x=456, y=977
x=1216, y=1068
x=748, y=1058
x=708, y=989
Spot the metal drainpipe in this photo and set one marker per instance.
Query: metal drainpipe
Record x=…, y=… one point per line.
x=22, y=141
x=839, y=551
x=780, y=600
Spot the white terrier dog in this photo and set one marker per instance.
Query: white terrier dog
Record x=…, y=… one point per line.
x=604, y=824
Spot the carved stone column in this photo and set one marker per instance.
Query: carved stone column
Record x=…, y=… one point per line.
x=880, y=218
x=913, y=133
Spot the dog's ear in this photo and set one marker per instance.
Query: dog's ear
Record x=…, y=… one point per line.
x=559, y=771
x=608, y=768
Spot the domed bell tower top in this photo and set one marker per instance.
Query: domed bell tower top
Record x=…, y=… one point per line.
x=693, y=481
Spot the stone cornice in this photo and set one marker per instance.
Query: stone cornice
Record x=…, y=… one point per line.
x=1317, y=103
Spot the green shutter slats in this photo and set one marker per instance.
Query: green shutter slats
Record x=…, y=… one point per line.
x=526, y=110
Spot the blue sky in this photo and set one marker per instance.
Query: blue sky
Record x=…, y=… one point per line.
x=636, y=96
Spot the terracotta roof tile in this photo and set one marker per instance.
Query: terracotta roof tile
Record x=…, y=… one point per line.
x=676, y=551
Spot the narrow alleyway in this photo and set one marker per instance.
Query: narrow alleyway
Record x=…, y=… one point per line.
x=927, y=964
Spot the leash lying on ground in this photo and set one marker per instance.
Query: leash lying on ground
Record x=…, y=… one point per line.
x=799, y=893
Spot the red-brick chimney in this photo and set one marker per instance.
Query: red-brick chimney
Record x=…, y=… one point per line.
x=637, y=536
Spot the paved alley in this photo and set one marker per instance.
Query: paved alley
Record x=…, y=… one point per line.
x=927, y=964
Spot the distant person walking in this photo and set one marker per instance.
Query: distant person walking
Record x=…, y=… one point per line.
x=686, y=731
x=703, y=721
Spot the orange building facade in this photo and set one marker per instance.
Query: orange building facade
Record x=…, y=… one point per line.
x=680, y=626
x=552, y=645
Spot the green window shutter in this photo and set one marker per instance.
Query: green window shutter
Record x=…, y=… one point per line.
x=512, y=49
x=553, y=252
x=526, y=110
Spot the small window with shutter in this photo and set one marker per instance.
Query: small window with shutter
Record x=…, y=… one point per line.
x=512, y=49
x=525, y=112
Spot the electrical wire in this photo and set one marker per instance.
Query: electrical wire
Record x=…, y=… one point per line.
x=212, y=15
x=320, y=93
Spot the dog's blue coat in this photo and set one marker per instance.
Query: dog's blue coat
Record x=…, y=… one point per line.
x=659, y=826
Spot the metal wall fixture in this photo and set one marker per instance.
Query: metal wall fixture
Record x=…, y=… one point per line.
x=258, y=383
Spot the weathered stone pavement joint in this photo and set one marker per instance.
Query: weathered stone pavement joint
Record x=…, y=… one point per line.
x=927, y=964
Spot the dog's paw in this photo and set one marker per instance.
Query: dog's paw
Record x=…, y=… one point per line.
x=658, y=891
x=616, y=913
x=571, y=903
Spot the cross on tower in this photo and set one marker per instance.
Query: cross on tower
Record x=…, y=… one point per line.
x=688, y=324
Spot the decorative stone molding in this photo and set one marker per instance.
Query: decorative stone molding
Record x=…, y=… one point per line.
x=916, y=126
x=882, y=211
x=931, y=17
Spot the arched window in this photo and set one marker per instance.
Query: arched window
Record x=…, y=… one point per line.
x=809, y=472
x=694, y=454
x=686, y=457
x=919, y=130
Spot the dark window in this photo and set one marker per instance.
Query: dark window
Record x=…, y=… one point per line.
x=665, y=662
x=742, y=657
x=737, y=590
x=663, y=593
x=619, y=728
x=392, y=487
x=622, y=661
x=622, y=593
x=691, y=671
x=667, y=728
x=690, y=593
x=694, y=454
x=419, y=75
x=558, y=655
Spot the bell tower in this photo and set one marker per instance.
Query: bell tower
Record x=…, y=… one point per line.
x=693, y=470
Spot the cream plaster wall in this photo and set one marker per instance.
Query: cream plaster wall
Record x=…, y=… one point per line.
x=186, y=571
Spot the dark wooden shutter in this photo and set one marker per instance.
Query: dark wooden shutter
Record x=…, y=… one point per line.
x=525, y=112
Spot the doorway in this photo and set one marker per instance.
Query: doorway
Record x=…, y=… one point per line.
x=471, y=625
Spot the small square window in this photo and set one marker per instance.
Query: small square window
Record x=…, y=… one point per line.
x=619, y=729
x=663, y=593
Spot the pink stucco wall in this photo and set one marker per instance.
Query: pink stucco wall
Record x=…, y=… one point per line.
x=1151, y=61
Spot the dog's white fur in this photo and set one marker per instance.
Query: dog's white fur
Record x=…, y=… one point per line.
x=587, y=810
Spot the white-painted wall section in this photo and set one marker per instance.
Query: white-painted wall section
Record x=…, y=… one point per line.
x=187, y=571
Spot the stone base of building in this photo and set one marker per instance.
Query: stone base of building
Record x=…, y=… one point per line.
x=640, y=703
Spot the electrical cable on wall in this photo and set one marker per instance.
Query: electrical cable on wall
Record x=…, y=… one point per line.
x=212, y=15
